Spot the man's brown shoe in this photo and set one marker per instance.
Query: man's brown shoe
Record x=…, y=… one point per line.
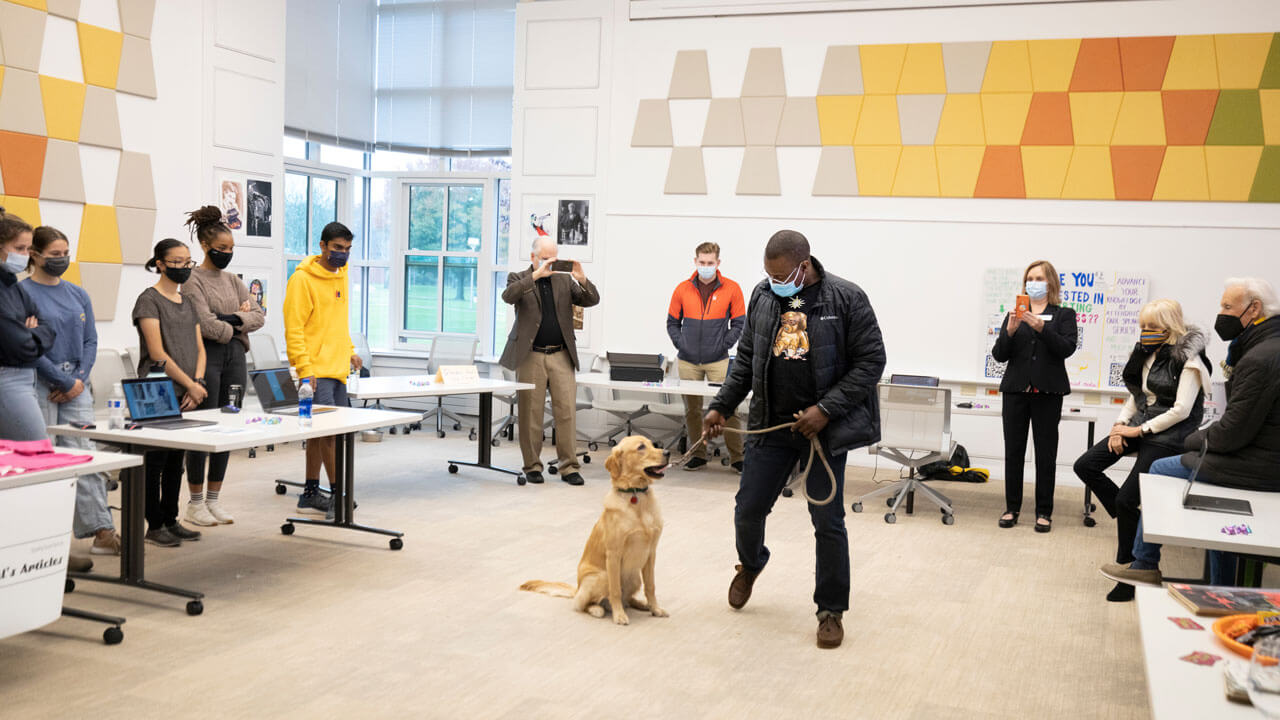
x=830, y=631
x=740, y=588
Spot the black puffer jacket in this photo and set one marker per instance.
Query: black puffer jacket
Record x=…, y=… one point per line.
x=846, y=354
x=1162, y=381
x=1244, y=445
x=20, y=346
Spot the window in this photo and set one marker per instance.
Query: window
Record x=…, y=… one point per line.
x=442, y=260
x=295, y=147
x=310, y=203
x=345, y=157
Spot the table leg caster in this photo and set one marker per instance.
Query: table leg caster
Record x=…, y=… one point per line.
x=287, y=528
x=948, y=519
x=787, y=492
x=69, y=586
x=890, y=518
x=281, y=489
x=1089, y=522
x=113, y=636
x=453, y=469
x=396, y=543
x=195, y=607
x=856, y=507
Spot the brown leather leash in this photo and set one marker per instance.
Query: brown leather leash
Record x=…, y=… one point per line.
x=815, y=448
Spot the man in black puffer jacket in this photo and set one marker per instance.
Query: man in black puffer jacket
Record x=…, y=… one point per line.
x=811, y=354
x=1242, y=448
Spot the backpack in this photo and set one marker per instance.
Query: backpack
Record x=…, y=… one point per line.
x=955, y=469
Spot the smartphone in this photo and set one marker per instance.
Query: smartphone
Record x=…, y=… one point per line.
x=562, y=266
x=1023, y=306
x=83, y=426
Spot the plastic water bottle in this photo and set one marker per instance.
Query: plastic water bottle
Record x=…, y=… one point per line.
x=305, y=397
x=115, y=408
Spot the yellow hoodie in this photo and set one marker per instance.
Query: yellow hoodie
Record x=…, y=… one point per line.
x=316, y=335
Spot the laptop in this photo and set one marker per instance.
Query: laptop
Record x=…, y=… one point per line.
x=153, y=403
x=1209, y=503
x=278, y=394
x=917, y=380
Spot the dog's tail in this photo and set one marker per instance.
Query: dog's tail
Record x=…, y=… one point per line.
x=554, y=589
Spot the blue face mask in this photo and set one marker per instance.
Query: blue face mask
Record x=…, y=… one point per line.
x=706, y=273
x=1037, y=289
x=338, y=259
x=788, y=287
x=15, y=263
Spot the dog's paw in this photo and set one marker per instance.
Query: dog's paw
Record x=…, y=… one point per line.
x=659, y=612
x=620, y=618
x=595, y=611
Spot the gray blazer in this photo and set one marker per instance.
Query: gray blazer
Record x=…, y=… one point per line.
x=522, y=292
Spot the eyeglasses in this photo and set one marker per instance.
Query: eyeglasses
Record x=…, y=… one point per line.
x=179, y=265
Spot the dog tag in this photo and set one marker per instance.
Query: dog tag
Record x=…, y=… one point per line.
x=633, y=500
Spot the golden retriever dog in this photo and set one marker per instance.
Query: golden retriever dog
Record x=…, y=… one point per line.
x=623, y=545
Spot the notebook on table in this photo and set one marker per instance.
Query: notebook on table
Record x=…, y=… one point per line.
x=278, y=394
x=153, y=403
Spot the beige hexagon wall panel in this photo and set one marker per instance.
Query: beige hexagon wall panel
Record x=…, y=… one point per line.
x=61, y=154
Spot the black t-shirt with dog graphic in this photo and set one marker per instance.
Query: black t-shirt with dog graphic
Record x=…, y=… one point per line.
x=791, y=386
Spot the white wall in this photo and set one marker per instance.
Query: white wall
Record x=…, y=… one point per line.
x=191, y=40
x=920, y=260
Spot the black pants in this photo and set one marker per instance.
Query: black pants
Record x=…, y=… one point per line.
x=1041, y=412
x=767, y=465
x=1121, y=503
x=224, y=366
x=163, y=470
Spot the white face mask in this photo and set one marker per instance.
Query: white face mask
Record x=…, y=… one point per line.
x=15, y=263
x=1037, y=289
x=706, y=272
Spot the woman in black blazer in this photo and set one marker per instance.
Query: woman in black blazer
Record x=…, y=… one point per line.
x=1035, y=347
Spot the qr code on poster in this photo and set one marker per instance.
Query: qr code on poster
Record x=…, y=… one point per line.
x=1116, y=378
x=994, y=369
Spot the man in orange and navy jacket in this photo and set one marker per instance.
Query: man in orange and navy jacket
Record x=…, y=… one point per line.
x=706, y=318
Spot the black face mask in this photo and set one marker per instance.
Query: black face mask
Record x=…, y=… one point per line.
x=1147, y=349
x=219, y=259
x=56, y=266
x=1229, y=326
x=178, y=275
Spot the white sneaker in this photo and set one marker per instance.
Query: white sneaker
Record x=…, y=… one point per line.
x=218, y=512
x=199, y=515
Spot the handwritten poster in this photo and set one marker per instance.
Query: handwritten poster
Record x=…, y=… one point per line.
x=1106, y=305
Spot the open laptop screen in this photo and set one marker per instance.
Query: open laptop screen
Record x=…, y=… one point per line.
x=151, y=398
x=275, y=388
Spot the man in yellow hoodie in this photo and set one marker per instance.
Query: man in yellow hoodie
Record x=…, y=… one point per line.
x=318, y=340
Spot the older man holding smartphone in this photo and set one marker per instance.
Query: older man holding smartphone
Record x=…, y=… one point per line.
x=541, y=349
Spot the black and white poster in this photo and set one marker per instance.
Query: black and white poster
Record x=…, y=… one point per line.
x=573, y=223
x=258, y=208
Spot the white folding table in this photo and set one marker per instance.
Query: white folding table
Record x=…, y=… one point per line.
x=389, y=387
x=232, y=431
x=35, y=537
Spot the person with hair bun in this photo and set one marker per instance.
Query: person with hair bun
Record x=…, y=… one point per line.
x=169, y=342
x=1166, y=375
x=62, y=375
x=227, y=314
x=1036, y=345
x=24, y=338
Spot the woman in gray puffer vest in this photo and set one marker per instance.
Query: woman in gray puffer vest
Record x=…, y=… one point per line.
x=1166, y=375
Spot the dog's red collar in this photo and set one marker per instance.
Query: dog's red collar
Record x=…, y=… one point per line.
x=632, y=492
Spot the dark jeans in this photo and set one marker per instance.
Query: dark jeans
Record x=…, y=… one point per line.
x=163, y=470
x=1041, y=412
x=1121, y=503
x=1146, y=556
x=766, y=466
x=224, y=367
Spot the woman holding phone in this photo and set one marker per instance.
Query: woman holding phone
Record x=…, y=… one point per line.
x=169, y=342
x=1035, y=344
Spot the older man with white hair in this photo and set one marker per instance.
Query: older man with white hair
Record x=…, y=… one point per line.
x=541, y=350
x=1241, y=449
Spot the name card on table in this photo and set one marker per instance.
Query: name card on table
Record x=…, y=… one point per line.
x=458, y=375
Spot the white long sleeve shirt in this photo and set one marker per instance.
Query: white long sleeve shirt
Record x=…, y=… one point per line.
x=1194, y=377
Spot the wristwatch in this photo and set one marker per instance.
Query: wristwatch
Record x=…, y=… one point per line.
x=202, y=383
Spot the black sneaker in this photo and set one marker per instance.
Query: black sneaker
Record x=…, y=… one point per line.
x=162, y=537
x=695, y=464
x=312, y=501
x=573, y=479
x=182, y=533
x=737, y=467
x=534, y=477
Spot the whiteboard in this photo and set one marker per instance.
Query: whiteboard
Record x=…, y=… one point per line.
x=1106, y=303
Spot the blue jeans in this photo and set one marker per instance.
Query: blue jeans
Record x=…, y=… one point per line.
x=91, y=513
x=766, y=466
x=20, y=416
x=1222, y=565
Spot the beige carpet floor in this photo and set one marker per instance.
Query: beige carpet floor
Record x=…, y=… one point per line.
x=967, y=621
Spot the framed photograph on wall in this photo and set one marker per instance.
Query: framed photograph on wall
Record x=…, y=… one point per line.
x=247, y=203
x=573, y=228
